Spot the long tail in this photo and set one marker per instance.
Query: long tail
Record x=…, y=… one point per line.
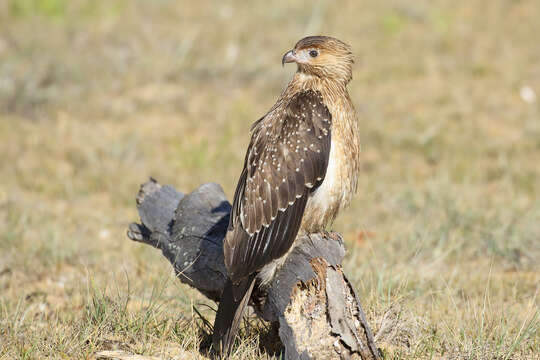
x=234, y=299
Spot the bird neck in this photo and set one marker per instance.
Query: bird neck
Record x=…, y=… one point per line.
x=330, y=89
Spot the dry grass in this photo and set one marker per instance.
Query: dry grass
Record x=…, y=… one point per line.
x=95, y=96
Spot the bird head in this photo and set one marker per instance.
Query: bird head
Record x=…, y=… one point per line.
x=322, y=56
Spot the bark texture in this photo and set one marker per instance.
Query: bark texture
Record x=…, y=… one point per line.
x=317, y=310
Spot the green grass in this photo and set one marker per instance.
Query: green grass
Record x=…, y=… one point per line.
x=95, y=96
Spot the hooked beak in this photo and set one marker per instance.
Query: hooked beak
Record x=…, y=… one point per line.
x=288, y=57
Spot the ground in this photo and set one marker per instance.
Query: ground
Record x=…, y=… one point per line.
x=443, y=237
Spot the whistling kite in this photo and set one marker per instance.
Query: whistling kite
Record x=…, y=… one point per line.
x=300, y=170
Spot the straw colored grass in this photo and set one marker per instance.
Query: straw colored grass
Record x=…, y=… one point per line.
x=443, y=237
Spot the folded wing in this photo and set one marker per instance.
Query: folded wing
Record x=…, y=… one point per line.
x=286, y=160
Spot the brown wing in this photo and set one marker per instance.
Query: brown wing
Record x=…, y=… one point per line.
x=286, y=160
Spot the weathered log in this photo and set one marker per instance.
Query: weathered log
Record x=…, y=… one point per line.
x=317, y=310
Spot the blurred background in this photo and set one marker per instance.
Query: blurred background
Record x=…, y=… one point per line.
x=443, y=237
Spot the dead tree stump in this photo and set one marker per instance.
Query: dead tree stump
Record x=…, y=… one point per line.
x=310, y=299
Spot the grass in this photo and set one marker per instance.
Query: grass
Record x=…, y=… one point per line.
x=443, y=237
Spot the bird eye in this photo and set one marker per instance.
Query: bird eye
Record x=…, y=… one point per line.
x=313, y=53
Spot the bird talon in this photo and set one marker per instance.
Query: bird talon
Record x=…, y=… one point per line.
x=330, y=235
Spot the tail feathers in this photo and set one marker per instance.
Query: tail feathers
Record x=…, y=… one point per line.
x=234, y=299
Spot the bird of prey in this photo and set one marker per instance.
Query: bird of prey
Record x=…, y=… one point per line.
x=300, y=170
